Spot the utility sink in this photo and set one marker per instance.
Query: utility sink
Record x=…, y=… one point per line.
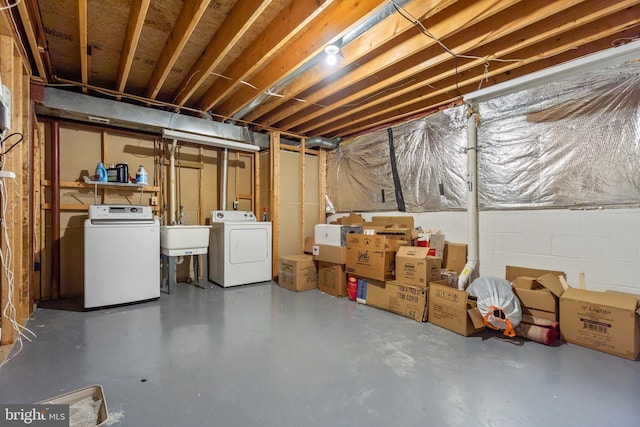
x=176, y=240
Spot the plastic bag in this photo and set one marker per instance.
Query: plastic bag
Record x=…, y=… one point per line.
x=497, y=303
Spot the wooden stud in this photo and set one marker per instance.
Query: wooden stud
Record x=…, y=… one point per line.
x=201, y=186
x=302, y=199
x=275, y=200
x=6, y=73
x=322, y=183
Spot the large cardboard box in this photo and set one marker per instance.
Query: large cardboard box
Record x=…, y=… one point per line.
x=403, y=221
x=297, y=273
x=372, y=257
x=398, y=233
x=538, y=299
x=455, y=256
x=332, y=279
x=453, y=309
x=333, y=234
x=538, y=291
x=399, y=298
x=363, y=288
x=329, y=253
x=604, y=321
x=415, y=267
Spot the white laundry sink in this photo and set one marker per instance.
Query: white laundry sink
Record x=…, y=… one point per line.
x=178, y=240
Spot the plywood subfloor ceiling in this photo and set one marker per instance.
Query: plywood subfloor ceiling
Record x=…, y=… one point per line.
x=262, y=61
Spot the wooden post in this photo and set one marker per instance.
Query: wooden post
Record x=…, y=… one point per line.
x=302, y=185
x=275, y=200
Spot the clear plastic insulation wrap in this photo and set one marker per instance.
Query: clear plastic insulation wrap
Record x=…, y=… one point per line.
x=571, y=143
x=574, y=143
x=430, y=166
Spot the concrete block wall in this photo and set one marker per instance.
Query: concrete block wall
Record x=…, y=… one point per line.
x=603, y=244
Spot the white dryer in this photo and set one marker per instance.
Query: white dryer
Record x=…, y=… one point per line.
x=239, y=249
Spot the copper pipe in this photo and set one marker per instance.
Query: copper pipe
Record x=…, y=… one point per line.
x=55, y=210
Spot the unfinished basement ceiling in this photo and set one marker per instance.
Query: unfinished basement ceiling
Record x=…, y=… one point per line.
x=262, y=61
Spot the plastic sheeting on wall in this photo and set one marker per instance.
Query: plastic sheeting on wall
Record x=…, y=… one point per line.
x=430, y=161
x=573, y=143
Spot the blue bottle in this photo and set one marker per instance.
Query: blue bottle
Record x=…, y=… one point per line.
x=101, y=173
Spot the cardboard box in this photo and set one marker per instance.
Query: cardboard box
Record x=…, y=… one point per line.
x=603, y=321
x=453, y=309
x=512, y=272
x=399, y=298
x=398, y=233
x=308, y=245
x=526, y=282
x=531, y=313
x=332, y=279
x=363, y=288
x=538, y=299
x=328, y=253
x=415, y=267
x=455, y=256
x=333, y=234
x=297, y=273
x=95, y=392
x=372, y=257
x=351, y=219
x=403, y=221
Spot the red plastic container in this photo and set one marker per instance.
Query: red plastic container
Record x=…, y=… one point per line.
x=352, y=287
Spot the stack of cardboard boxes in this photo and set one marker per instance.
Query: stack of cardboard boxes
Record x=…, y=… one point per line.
x=414, y=273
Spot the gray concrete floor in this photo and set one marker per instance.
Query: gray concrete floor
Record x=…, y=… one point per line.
x=260, y=355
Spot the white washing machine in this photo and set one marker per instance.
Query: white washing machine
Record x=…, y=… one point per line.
x=121, y=255
x=239, y=249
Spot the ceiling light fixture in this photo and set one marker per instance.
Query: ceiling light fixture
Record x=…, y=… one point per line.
x=334, y=55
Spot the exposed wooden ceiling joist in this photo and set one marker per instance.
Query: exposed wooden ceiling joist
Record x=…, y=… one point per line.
x=190, y=14
x=134, y=28
x=257, y=62
x=242, y=16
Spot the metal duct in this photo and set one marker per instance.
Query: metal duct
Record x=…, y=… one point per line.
x=89, y=109
x=322, y=142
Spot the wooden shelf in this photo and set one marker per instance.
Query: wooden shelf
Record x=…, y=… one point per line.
x=104, y=185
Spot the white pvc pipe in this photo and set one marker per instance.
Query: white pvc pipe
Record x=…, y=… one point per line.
x=473, y=228
x=172, y=183
x=223, y=185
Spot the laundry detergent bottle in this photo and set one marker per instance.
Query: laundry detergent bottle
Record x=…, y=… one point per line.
x=141, y=176
x=101, y=173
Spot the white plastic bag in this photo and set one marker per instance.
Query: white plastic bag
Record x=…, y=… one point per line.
x=497, y=303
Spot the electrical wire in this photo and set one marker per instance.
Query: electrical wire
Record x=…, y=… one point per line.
x=14, y=144
x=416, y=22
x=6, y=258
x=9, y=6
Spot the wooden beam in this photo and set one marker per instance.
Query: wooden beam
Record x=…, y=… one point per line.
x=490, y=39
x=329, y=27
x=243, y=15
x=290, y=22
x=551, y=44
x=137, y=14
x=30, y=31
x=190, y=14
x=384, y=32
x=461, y=17
x=7, y=299
x=84, y=59
x=275, y=200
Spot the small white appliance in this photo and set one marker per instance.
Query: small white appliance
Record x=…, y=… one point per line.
x=121, y=255
x=239, y=249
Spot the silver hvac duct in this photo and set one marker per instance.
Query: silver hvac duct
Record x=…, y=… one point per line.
x=319, y=141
